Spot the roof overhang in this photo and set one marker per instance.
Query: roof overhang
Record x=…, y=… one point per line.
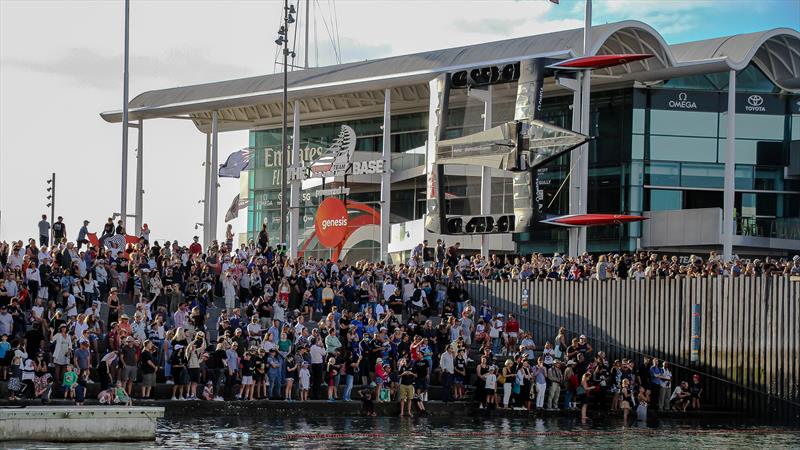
x=357, y=89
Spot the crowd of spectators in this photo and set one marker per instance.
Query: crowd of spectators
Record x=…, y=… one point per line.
x=309, y=328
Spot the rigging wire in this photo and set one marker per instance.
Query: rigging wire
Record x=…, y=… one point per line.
x=330, y=36
x=316, y=43
x=336, y=29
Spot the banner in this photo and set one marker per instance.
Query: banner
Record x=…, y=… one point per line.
x=236, y=205
x=236, y=162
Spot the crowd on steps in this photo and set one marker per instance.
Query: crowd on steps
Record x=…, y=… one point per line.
x=117, y=321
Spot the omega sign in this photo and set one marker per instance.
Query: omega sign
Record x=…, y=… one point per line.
x=682, y=102
x=755, y=103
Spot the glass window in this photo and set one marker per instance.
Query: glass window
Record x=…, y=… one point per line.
x=752, y=79
x=755, y=152
x=663, y=200
x=754, y=126
x=702, y=175
x=683, y=123
x=748, y=204
x=637, y=146
x=702, y=199
x=767, y=205
x=637, y=173
x=635, y=203
x=692, y=82
x=795, y=128
x=744, y=177
x=662, y=174
x=769, y=179
x=638, y=120
x=667, y=148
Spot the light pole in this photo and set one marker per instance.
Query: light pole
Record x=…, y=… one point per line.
x=124, y=180
x=283, y=40
x=51, y=198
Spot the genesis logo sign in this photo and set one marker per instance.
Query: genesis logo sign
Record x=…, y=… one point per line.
x=682, y=102
x=755, y=103
x=331, y=222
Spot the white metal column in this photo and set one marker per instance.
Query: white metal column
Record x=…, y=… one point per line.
x=207, y=192
x=728, y=226
x=575, y=158
x=139, y=179
x=583, y=164
x=386, y=176
x=586, y=94
x=211, y=225
x=294, y=194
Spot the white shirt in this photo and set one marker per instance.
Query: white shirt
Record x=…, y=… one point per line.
x=317, y=354
x=491, y=381
x=388, y=290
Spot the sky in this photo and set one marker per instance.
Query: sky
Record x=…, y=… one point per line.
x=61, y=65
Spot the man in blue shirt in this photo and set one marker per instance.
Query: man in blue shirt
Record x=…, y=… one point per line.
x=655, y=379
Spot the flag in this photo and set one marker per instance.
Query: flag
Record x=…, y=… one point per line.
x=236, y=162
x=236, y=205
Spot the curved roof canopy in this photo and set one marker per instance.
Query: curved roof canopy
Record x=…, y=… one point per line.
x=358, y=87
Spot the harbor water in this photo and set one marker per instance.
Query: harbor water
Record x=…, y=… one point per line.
x=444, y=432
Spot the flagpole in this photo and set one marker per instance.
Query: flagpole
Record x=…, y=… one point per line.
x=123, y=208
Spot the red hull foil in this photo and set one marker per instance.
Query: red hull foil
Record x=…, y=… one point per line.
x=599, y=61
x=592, y=220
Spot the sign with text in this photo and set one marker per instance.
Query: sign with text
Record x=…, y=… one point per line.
x=336, y=161
x=330, y=223
x=759, y=104
x=684, y=100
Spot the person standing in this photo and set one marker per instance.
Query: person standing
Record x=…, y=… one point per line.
x=44, y=231
x=656, y=374
x=666, y=387
x=440, y=254
x=539, y=374
x=149, y=368
x=407, y=376
x=59, y=230
x=317, y=359
x=83, y=233
x=556, y=378
x=447, y=364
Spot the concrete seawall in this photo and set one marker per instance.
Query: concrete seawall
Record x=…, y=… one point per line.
x=79, y=424
x=321, y=408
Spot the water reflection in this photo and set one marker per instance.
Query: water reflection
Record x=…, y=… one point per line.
x=442, y=432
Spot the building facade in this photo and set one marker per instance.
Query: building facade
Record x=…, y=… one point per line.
x=660, y=129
